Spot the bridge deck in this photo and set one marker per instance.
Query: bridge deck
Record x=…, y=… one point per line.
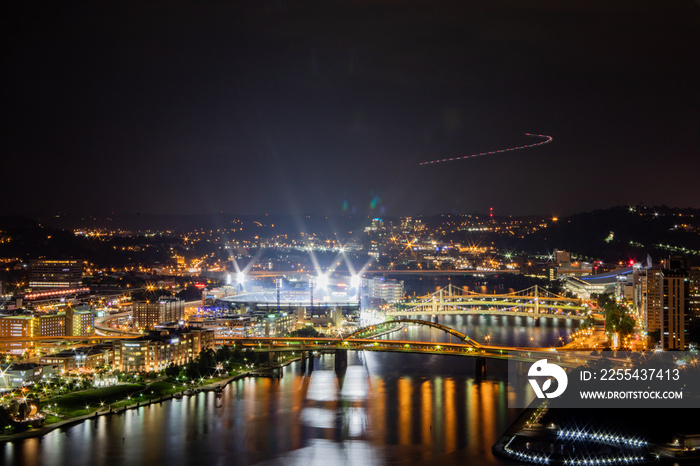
x=428, y=311
x=267, y=345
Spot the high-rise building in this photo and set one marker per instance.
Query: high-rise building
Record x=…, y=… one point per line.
x=676, y=303
x=54, y=274
x=666, y=302
x=694, y=285
x=652, y=284
x=166, y=309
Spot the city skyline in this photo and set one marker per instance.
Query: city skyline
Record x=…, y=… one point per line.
x=301, y=108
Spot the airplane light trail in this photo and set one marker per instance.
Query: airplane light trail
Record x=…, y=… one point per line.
x=547, y=140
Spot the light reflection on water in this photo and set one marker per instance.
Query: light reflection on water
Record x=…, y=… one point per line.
x=514, y=331
x=385, y=409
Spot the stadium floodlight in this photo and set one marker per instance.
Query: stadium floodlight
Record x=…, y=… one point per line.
x=322, y=281
x=355, y=281
x=240, y=277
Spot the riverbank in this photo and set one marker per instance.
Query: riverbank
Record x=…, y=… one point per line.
x=214, y=386
x=41, y=431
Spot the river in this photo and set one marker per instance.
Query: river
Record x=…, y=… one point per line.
x=386, y=409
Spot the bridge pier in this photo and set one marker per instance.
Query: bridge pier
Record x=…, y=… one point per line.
x=302, y=365
x=537, y=321
x=311, y=361
x=480, y=368
x=436, y=319
x=341, y=360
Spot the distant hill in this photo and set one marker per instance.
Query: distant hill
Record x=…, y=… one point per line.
x=136, y=223
x=614, y=234
x=623, y=233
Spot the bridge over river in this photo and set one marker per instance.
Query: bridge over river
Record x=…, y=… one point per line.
x=531, y=302
x=366, y=339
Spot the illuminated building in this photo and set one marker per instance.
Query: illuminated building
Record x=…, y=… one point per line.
x=666, y=294
x=16, y=326
x=209, y=297
x=322, y=317
x=383, y=290
x=51, y=325
x=19, y=375
x=275, y=324
x=618, y=282
x=52, y=274
x=157, y=350
x=70, y=322
x=81, y=322
x=562, y=257
x=652, y=298
x=694, y=284
x=674, y=317
x=78, y=358
x=235, y=326
x=166, y=309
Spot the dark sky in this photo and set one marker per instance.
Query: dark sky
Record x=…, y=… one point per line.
x=328, y=107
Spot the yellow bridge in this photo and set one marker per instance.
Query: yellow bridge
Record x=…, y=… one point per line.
x=531, y=302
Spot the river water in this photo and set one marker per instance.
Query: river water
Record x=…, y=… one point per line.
x=385, y=409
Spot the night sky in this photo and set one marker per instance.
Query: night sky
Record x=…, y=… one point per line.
x=328, y=107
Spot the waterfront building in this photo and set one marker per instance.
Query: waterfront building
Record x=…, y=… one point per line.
x=76, y=359
x=55, y=274
x=159, y=349
x=166, y=309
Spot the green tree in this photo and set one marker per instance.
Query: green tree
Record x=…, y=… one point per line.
x=617, y=318
x=307, y=331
